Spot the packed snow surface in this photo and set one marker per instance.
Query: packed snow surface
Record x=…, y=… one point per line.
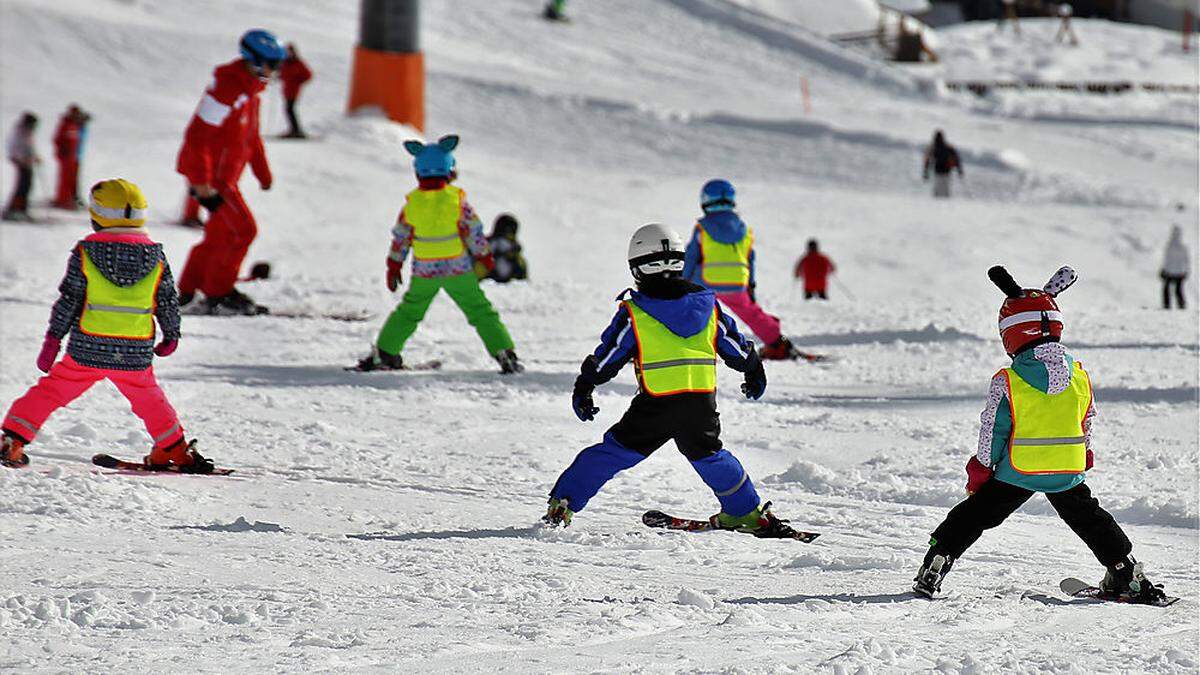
x=388, y=522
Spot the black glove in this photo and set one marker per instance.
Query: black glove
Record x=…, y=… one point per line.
x=211, y=202
x=756, y=378
x=750, y=291
x=581, y=401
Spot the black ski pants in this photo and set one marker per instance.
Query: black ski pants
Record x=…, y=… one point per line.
x=691, y=420
x=293, y=121
x=19, y=201
x=1177, y=282
x=996, y=500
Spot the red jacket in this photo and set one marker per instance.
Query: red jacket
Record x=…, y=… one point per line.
x=815, y=268
x=67, y=137
x=294, y=73
x=223, y=134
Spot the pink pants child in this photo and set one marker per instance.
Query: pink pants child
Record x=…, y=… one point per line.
x=764, y=325
x=68, y=380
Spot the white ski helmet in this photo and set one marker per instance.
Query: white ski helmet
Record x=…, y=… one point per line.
x=655, y=249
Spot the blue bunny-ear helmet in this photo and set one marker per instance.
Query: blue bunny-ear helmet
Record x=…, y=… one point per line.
x=434, y=160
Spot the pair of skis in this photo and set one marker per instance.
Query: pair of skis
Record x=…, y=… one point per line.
x=124, y=465
x=781, y=529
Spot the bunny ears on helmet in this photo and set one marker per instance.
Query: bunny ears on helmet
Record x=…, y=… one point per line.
x=1061, y=281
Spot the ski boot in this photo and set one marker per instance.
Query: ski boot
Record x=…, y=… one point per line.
x=928, y=581
x=760, y=522
x=193, y=223
x=183, y=454
x=1127, y=580
x=378, y=360
x=779, y=350
x=558, y=513
x=12, y=452
x=509, y=363
x=237, y=302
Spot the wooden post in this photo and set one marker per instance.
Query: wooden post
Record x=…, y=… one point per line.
x=389, y=68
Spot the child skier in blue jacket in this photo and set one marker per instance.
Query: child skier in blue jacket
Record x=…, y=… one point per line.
x=675, y=332
x=1036, y=437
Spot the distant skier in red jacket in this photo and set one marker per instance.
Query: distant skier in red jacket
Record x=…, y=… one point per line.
x=68, y=149
x=294, y=73
x=815, y=268
x=220, y=140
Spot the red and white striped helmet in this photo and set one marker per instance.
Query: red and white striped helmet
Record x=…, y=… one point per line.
x=1030, y=317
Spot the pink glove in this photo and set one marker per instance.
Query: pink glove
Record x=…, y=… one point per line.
x=394, y=279
x=49, y=353
x=166, y=347
x=977, y=475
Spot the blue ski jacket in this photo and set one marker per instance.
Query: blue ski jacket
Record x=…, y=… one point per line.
x=684, y=316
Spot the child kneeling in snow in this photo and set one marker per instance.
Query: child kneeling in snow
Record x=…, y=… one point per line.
x=1035, y=437
x=117, y=283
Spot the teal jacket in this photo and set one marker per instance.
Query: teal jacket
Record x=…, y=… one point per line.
x=1046, y=368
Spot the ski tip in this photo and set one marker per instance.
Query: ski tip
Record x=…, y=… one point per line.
x=654, y=518
x=106, y=461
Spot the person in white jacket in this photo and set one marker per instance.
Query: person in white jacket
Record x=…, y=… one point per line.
x=1175, y=267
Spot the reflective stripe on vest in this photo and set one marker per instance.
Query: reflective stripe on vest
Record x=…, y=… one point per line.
x=116, y=311
x=725, y=264
x=669, y=364
x=1047, y=435
x=433, y=215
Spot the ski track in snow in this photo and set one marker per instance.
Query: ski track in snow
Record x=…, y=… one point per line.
x=388, y=522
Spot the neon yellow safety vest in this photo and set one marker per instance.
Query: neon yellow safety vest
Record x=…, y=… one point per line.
x=668, y=364
x=116, y=311
x=433, y=215
x=1047, y=436
x=725, y=264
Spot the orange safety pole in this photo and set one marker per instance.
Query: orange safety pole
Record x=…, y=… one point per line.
x=804, y=95
x=389, y=68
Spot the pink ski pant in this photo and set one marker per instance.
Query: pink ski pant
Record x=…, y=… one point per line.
x=764, y=325
x=68, y=380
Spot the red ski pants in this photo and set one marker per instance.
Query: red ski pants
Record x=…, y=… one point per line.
x=68, y=380
x=212, y=266
x=68, y=182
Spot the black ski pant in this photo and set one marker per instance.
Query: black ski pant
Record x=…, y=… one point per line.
x=996, y=500
x=290, y=107
x=19, y=201
x=691, y=420
x=1177, y=282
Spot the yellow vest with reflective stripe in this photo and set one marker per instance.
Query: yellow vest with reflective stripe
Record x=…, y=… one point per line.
x=669, y=364
x=1047, y=436
x=725, y=264
x=433, y=215
x=116, y=311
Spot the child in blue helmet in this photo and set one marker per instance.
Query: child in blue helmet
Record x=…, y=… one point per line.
x=720, y=256
x=450, y=252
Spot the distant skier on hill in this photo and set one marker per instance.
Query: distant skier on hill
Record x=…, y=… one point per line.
x=720, y=256
x=1176, y=265
x=1035, y=436
x=814, y=268
x=942, y=158
x=222, y=137
x=447, y=243
x=674, y=331
x=69, y=139
x=24, y=157
x=506, y=250
x=294, y=73
x=118, y=284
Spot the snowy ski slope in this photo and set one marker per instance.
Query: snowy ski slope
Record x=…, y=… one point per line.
x=388, y=522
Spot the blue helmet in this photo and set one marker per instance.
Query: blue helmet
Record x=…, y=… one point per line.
x=434, y=160
x=261, y=48
x=717, y=195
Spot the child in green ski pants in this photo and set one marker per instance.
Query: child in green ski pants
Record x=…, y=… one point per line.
x=449, y=251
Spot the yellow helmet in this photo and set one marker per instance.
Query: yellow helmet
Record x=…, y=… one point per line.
x=117, y=202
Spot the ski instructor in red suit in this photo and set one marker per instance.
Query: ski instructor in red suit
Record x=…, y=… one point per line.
x=220, y=139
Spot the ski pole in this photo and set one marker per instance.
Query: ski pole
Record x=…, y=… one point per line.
x=837, y=280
